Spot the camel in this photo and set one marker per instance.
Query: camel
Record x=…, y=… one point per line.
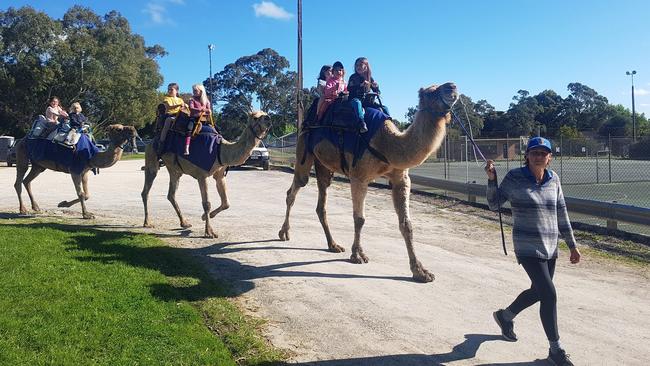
x=231, y=154
x=119, y=135
x=402, y=150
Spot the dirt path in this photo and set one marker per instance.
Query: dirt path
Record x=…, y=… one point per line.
x=327, y=311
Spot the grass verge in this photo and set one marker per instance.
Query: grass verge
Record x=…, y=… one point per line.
x=139, y=156
x=72, y=295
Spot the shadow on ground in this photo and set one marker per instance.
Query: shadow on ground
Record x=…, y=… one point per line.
x=462, y=351
x=109, y=247
x=172, y=261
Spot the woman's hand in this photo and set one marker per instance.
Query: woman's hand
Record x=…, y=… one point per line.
x=490, y=170
x=575, y=256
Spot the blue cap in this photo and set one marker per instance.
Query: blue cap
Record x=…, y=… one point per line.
x=534, y=142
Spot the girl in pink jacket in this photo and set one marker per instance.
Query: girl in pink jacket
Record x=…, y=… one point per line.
x=334, y=86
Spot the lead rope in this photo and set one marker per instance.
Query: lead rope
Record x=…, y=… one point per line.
x=477, y=149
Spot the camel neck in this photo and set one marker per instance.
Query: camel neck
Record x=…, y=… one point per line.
x=236, y=153
x=414, y=146
x=107, y=158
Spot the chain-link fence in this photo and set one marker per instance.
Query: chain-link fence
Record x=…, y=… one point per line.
x=589, y=168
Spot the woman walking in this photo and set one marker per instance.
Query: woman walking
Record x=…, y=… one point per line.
x=539, y=214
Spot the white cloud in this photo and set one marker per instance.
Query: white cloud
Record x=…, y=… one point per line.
x=269, y=9
x=641, y=92
x=157, y=11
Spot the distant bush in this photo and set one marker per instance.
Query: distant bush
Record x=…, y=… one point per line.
x=640, y=150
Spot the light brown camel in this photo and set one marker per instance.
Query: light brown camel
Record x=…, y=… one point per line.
x=403, y=150
x=232, y=154
x=119, y=135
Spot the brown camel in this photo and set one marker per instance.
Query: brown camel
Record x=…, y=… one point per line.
x=403, y=150
x=119, y=135
x=232, y=154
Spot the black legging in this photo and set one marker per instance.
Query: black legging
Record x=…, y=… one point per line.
x=542, y=289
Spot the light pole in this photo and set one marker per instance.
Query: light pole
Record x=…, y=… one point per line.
x=210, y=47
x=633, y=113
x=299, y=80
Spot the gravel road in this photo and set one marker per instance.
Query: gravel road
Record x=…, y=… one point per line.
x=327, y=311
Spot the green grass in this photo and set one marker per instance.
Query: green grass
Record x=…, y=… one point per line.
x=129, y=156
x=622, y=251
x=72, y=295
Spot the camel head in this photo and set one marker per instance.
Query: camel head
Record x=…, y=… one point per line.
x=438, y=100
x=119, y=134
x=259, y=123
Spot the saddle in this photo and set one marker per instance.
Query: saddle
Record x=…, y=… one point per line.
x=183, y=121
x=341, y=115
x=340, y=127
x=57, y=132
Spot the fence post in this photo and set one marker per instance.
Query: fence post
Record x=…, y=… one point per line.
x=561, y=156
x=466, y=161
x=508, y=157
x=597, y=170
x=609, y=138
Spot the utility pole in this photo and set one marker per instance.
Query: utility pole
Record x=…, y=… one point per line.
x=633, y=113
x=210, y=47
x=299, y=81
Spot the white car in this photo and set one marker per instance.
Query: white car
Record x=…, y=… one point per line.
x=259, y=157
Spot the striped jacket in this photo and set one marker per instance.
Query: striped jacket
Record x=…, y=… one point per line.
x=538, y=211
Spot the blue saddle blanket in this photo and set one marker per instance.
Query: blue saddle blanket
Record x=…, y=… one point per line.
x=76, y=160
x=353, y=143
x=204, y=148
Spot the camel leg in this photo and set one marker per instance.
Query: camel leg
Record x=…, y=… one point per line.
x=324, y=179
x=174, y=178
x=220, y=179
x=401, y=184
x=359, y=191
x=84, y=182
x=21, y=170
x=27, y=182
x=205, y=200
x=300, y=179
x=150, y=173
x=77, y=179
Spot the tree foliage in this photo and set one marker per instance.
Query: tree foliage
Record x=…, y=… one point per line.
x=547, y=113
x=263, y=80
x=82, y=57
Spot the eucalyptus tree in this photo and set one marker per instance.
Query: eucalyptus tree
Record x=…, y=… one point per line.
x=82, y=57
x=262, y=80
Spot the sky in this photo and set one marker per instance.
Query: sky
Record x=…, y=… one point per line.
x=489, y=48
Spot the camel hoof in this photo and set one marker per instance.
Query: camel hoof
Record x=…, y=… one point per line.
x=335, y=248
x=211, y=234
x=359, y=258
x=284, y=235
x=23, y=211
x=148, y=225
x=214, y=213
x=88, y=216
x=63, y=204
x=424, y=276
x=203, y=217
x=185, y=225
